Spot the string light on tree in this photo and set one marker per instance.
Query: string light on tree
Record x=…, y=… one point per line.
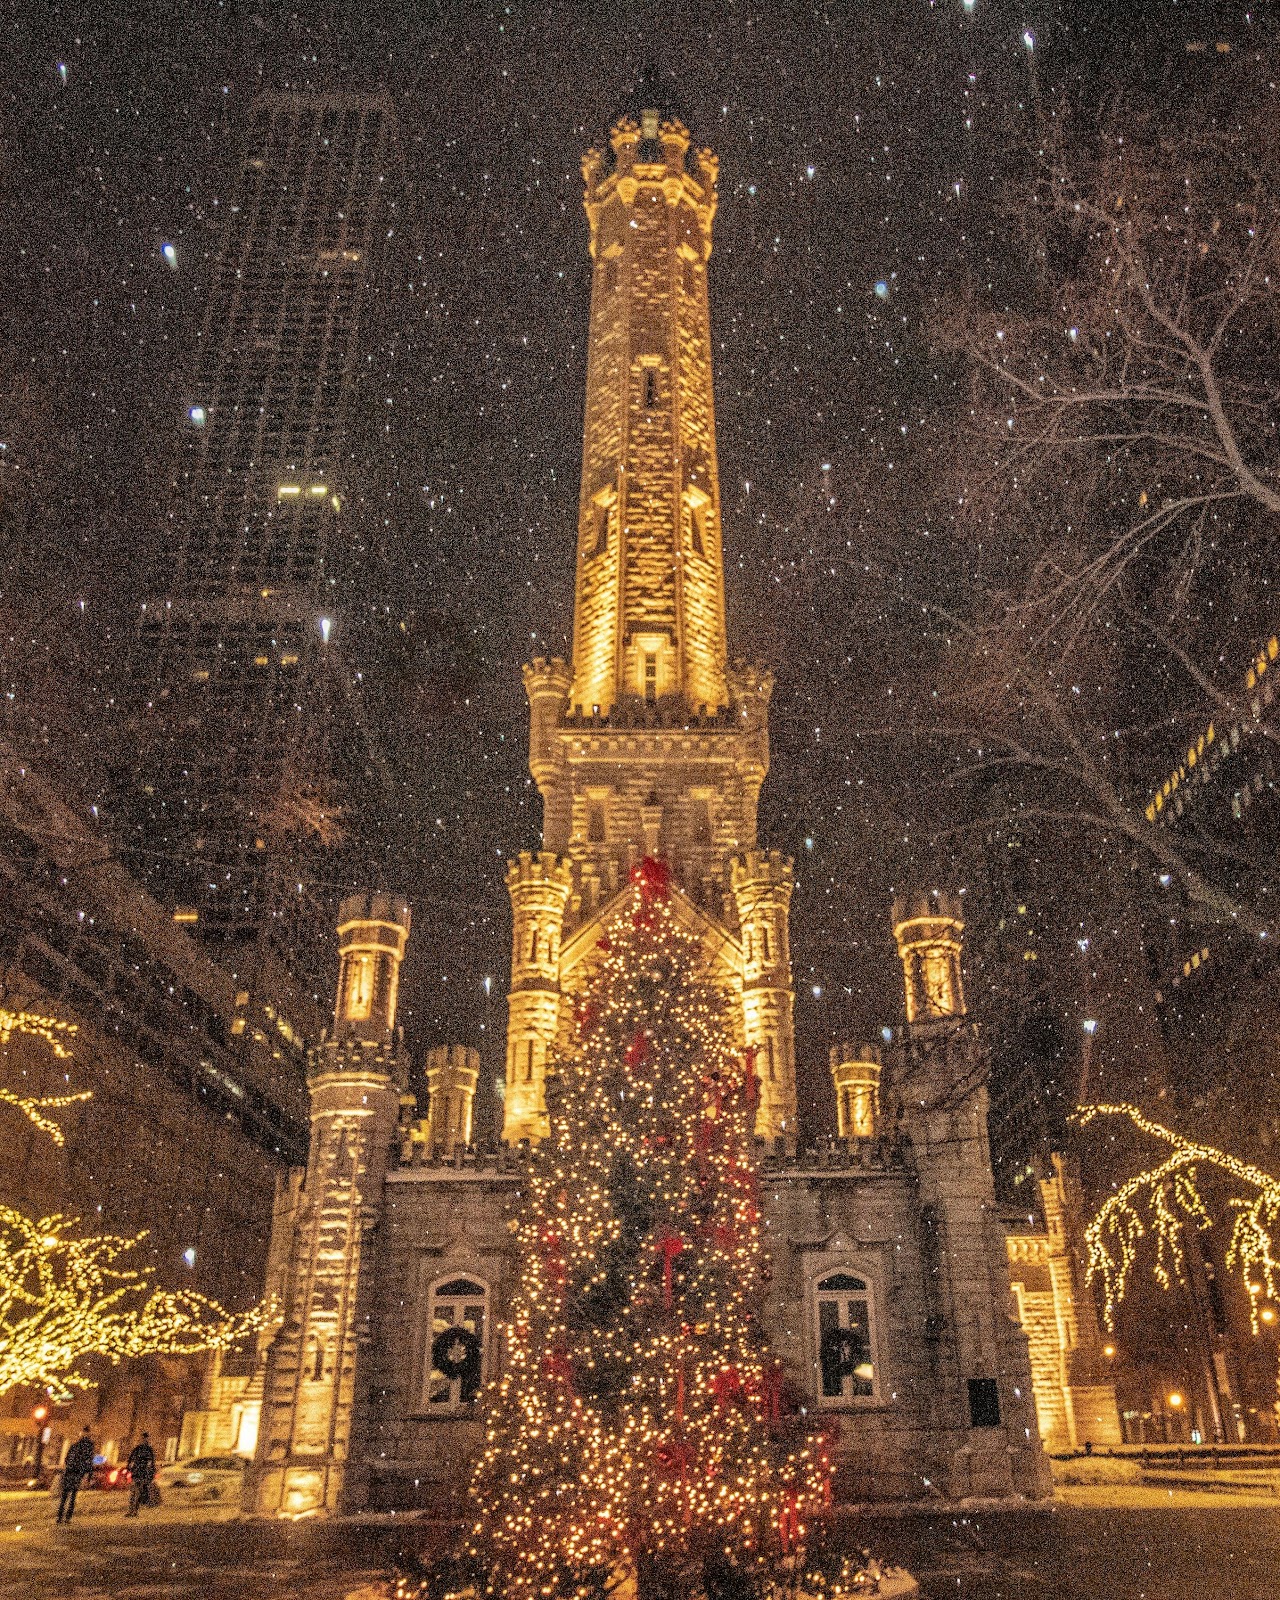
x=641, y=1424
x=54, y=1031
x=1164, y=1199
x=64, y=1299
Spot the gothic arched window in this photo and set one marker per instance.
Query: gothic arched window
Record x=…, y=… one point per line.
x=456, y=1351
x=846, y=1358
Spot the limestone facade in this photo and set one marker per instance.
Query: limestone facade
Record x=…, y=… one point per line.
x=890, y=1304
x=1075, y=1394
x=649, y=742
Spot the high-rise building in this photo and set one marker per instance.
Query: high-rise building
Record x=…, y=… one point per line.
x=260, y=585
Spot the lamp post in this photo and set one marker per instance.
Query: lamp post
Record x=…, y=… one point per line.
x=39, y=1415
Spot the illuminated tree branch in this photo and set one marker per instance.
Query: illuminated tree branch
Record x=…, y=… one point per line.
x=54, y=1031
x=64, y=1300
x=1164, y=1199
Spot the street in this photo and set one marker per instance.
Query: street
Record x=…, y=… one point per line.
x=1175, y=1552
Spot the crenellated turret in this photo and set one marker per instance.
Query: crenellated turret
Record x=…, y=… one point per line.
x=539, y=887
x=928, y=930
x=452, y=1072
x=547, y=684
x=372, y=933
x=855, y=1072
x=762, y=884
x=356, y=1075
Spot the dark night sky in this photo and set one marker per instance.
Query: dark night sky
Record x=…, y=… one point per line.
x=861, y=145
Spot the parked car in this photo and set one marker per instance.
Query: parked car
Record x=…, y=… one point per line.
x=107, y=1475
x=204, y=1478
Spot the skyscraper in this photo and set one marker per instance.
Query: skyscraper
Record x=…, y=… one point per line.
x=244, y=634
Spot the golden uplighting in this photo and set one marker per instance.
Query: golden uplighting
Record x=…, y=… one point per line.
x=65, y=1298
x=639, y=1410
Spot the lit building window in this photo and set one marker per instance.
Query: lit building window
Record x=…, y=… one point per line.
x=846, y=1363
x=455, y=1371
x=650, y=675
x=359, y=998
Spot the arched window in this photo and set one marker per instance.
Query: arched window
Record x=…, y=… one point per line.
x=456, y=1352
x=846, y=1349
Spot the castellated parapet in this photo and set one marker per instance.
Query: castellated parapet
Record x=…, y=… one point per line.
x=539, y=886
x=762, y=883
x=929, y=930
x=855, y=1072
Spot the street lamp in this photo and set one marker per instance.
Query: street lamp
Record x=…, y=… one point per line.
x=39, y=1414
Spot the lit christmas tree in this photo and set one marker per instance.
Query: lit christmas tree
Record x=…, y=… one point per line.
x=638, y=1427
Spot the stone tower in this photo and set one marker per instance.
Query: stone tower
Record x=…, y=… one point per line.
x=983, y=1370
x=452, y=1071
x=649, y=742
x=356, y=1076
x=855, y=1072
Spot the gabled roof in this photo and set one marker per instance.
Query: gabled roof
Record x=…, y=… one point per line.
x=723, y=949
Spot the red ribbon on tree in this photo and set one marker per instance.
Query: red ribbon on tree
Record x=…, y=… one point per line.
x=789, y=1520
x=668, y=1246
x=680, y=1393
x=653, y=879
x=726, y=1386
x=553, y=1255
x=638, y=1049
x=725, y=1235
x=752, y=1084
x=558, y=1368
x=702, y=1141
x=771, y=1394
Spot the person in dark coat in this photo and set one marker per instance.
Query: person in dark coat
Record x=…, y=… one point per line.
x=142, y=1473
x=77, y=1467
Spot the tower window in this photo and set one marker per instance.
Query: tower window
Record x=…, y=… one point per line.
x=596, y=831
x=845, y=1359
x=457, y=1343
x=650, y=388
x=650, y=675
x=601, y=542
x=609, y=274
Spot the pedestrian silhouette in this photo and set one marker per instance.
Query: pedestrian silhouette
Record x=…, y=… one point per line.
x=142, y=1472
x=77, y=1467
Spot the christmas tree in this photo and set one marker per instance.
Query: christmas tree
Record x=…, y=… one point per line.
x=639, y=1426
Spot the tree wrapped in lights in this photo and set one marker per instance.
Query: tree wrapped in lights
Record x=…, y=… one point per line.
x=64, y=1299
x=1165, y=1199
x=55, y=1032
x=638, y=1426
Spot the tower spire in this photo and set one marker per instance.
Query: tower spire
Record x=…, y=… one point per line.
x=649, y=602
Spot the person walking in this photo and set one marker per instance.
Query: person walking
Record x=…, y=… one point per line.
x=77, y=1467
x=142, y=1474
